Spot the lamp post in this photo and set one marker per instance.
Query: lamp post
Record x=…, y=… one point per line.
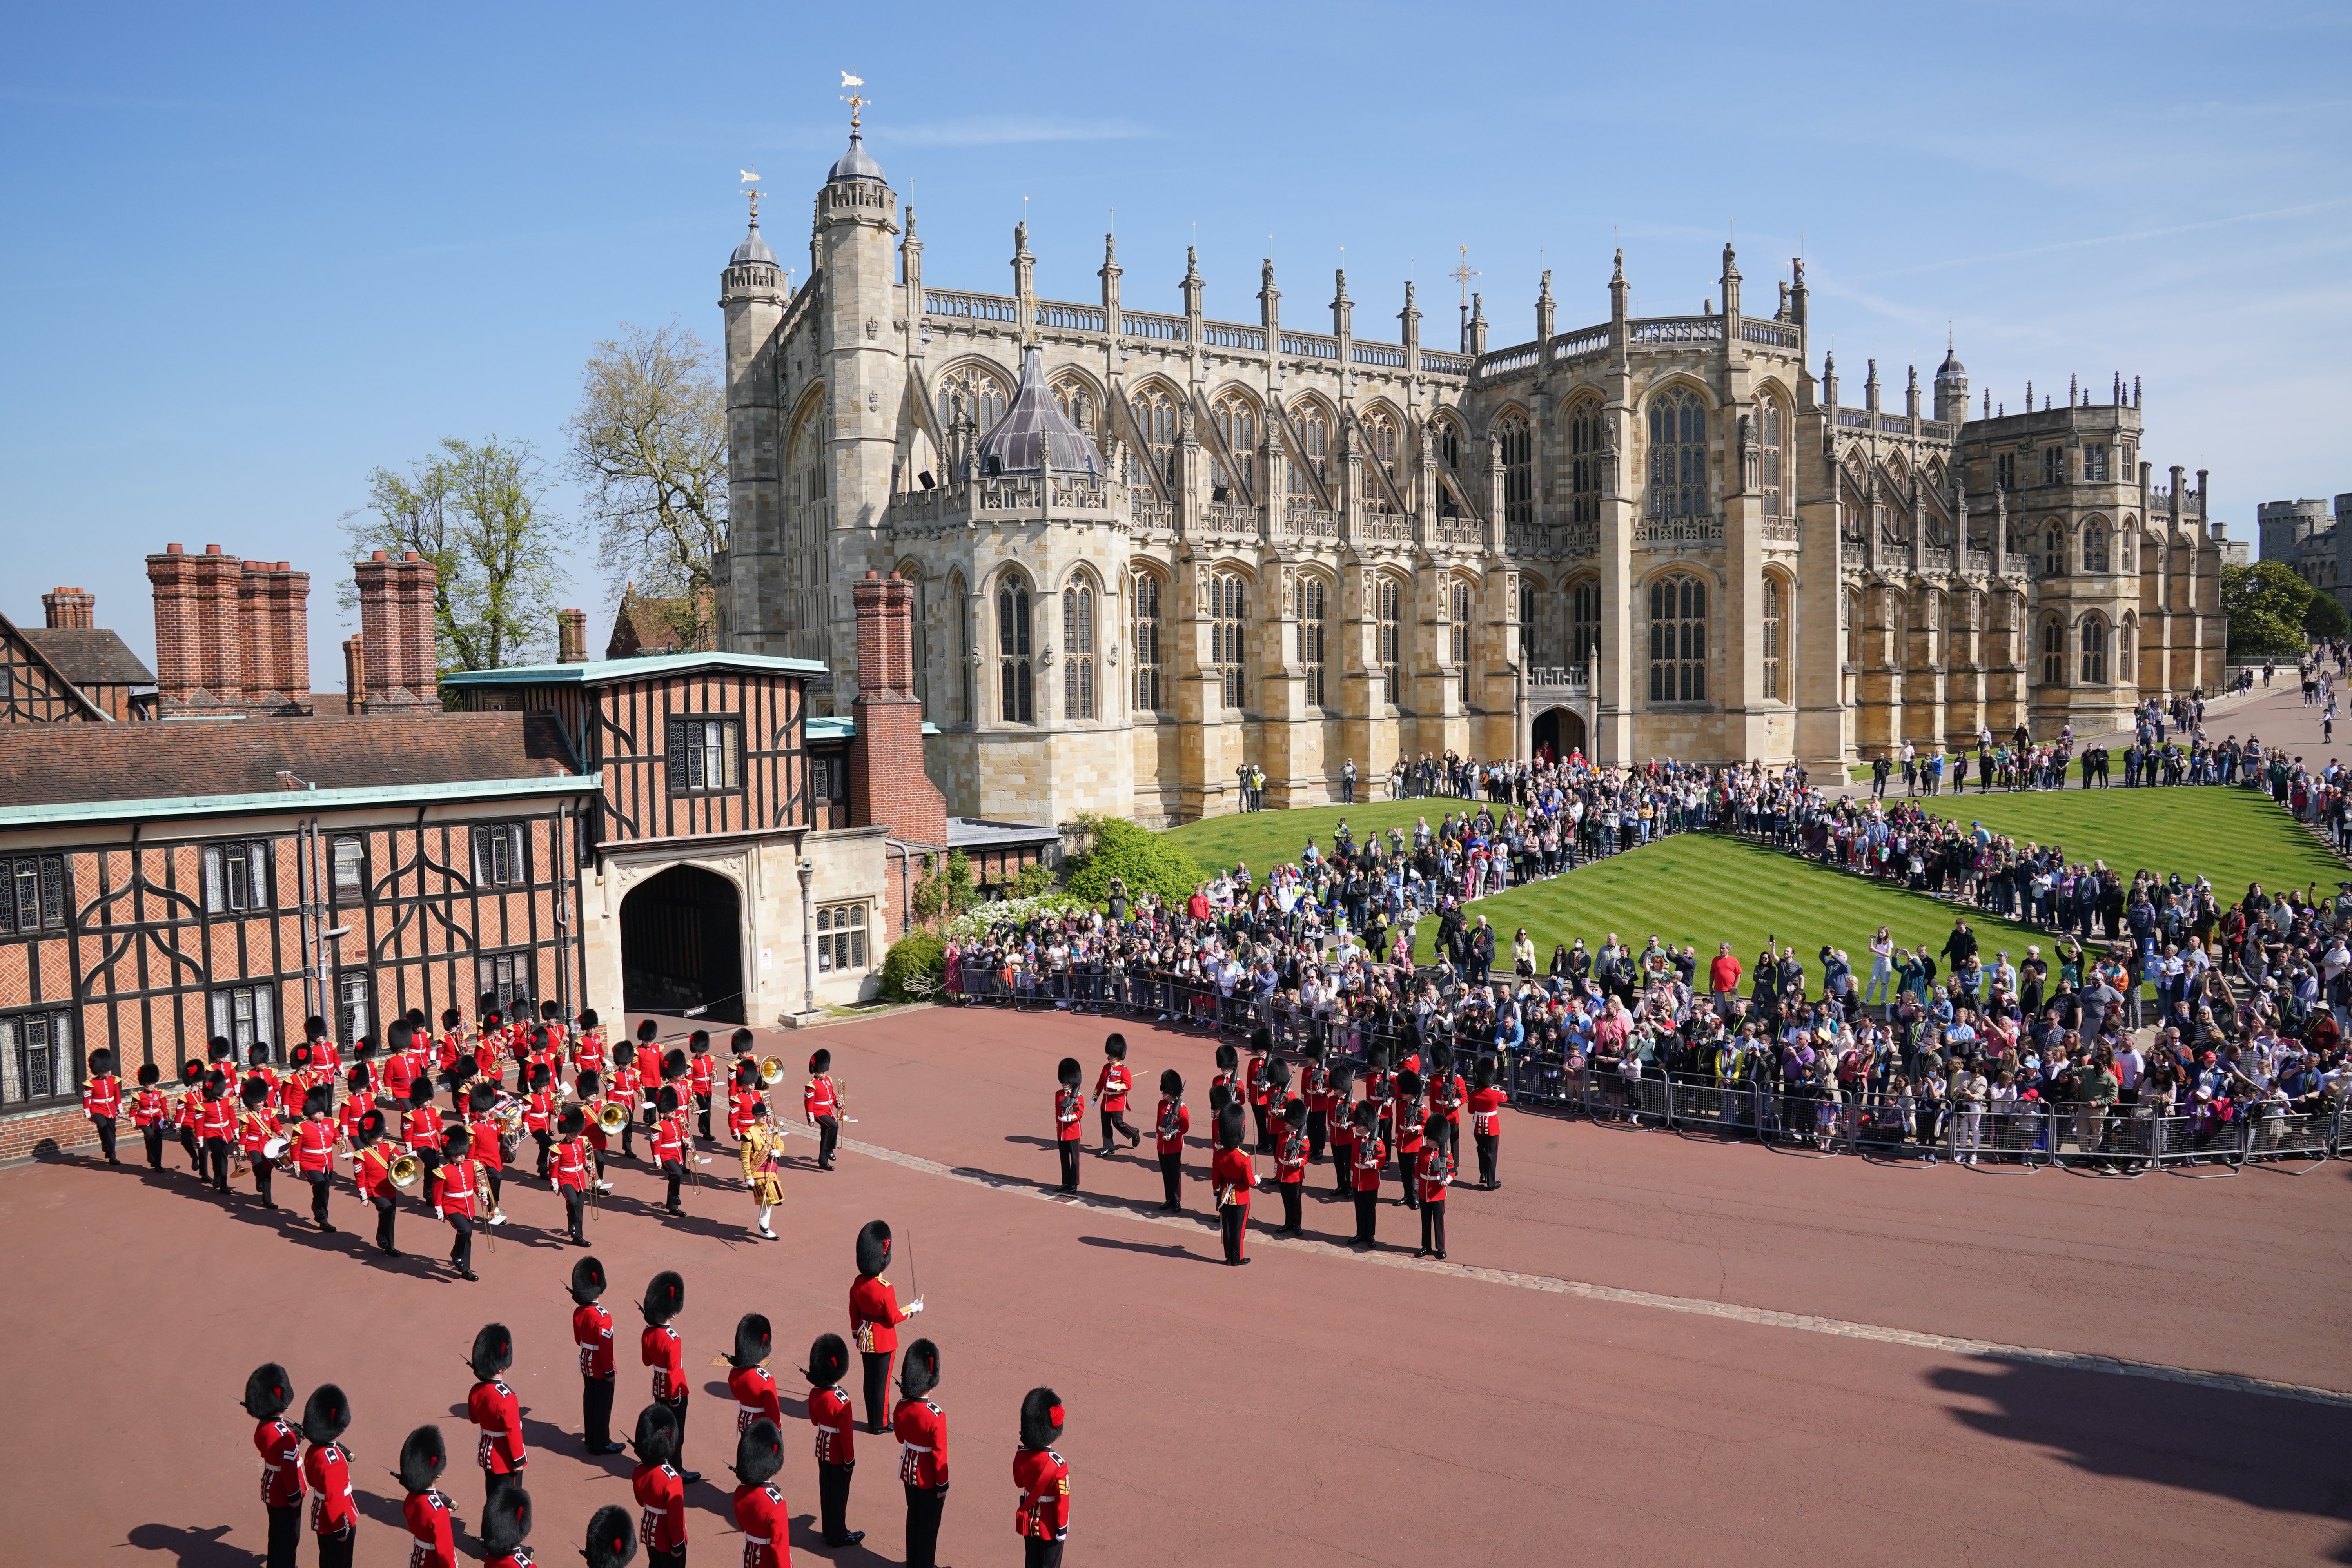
x=808, y=935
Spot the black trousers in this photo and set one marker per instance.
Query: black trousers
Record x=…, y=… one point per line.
x=702, y=1113
x=665, y=1559
x=285, y=1535
x=575, y=1210
x=1490, y=1154
x=1233, y=1228
x=676, y=1405
x=1114, y=1123
x=1290, y=1218
x=387, y=1211
x=322, y=1185
x=195, y=1155
x=1264, y=1133
x=1406, y=1158
x=596, y=1412
x=105, y=1125
x=153, y=1135
x=1069, y=1148
x=1317, y=1132
x=546, y=1142
x=924, y=1506
x=1036, y=1554
x=335, y=1547
x=832, y=1502
x=496, y=1177
x=1368, y=1214
x=828, y=1139
x=461, y=1250
x=1342, y=1160
x=1433, y=1229
x=878, y=1383
x=675, y=1173
x=1172, y=1179
x=261, y=1173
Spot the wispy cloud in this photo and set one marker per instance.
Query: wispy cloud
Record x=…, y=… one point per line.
x=1000, y=131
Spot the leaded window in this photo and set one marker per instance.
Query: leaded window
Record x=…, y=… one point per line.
x=1227, y=631
x=1457, y=607
x=1585, y=435
x=971, y=392
x=2095, y=547
x=705, y=755
x=2053, y=653
x=1312, y=607
x=2095, y=652
x=1155, y=422
x=236, y=877
x=35, y=899
x=1771, y=440
x=1236, y=421
x=1776, y=632
x=1078, y=652
x=498, y=858
x=1077, y=402
x=1517, y=440
x=1314, y=428
x=1678, y=639
x=36, y=1057
x=840, y=938
x=2054, y=551
x=1143, y=596
x=1678, y=485
x=1391, y=636
x=1584, y=620
x=1017, y=698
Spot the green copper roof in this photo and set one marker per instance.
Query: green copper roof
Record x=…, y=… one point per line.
x=278, y=801
x=602, y=671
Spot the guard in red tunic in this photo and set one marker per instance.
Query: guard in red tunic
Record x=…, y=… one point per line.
x=1042, y=1517
x=820, y=1104
x=1446, y=1094
x=1233, y=1175
x=1254, y=1088
x=922, y=1431
x=1379, y=1085
x=506, y=1525
x=1341, y=1119
x=1113, y=1084
x=487, y=1148
x=1434, y=1173
x=431, y=1532
x=1290, y=1161
x=741, y=1097
x=611, y=1538
x=420, y=1129
x=371, y=1174
x=593, y=1100
x=1367, y=1154
x=622, y=1088
x=101, y=1100
x=1486, y=1123
x=1229, y=1069
x=698, y=1079
x=875, y=1315
x=1069, y=1120
x=216, y=1127
x=267, y=1391
x=668, y=1142
x=1315, y=1086
x=761, y=1511
x=148, y=1111
x=327, y=1468
x=358, y=1099
x=186, y=1113
x=571, y=1177
x=538, y=1114
x=453, y=1188
x=660, y=1488
x=1407, y=1116
x=254, y=1129
x=659, y=1348
x=399, y=1064
x=829, y=1411
x=1276, y=1082
x=749, y=1379
x=314, y=1153
x=591, y=1338
x=1171, y=1122
x=496, y=1416
x=588, y=1050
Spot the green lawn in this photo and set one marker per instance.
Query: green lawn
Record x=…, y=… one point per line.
x=1264, y=838
x=2233, y=836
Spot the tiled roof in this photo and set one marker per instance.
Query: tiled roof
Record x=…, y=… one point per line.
x=642, y=624
x=88, y=656
x=50, y=764
x=605, y=671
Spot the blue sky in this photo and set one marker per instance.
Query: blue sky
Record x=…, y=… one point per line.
x=251, y=252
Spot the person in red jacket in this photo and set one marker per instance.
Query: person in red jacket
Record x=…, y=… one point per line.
x=1169, y=1122
x=359, y=1099
x=571, y=1173
x=453, y=1187
x=399, y=1066
x=148, y=1111
x=660, y=1489
x=611, y=1538
x=668, y=1139
x=254, y=1129
x=1446, y=1094
x=420, y=1128
x=314, y=1153
x=659, y=1348
x=1366, y=1155
x=1406, y=1115
x=1069, y=1120
x=216, y=1128
x=491, y=1405
x=922, y=1431
x=487, y=1148
x=1342, y=1122
x=506, y=1525
x=424, y=1508
x=761, y=1511
x=1434, y=1172
x=588, y=1050
x=267, y=1391
x=187, y=1113
x=698, y=1079
x=1229, y=1067
x=1315, y=1087
x=327, y=1468
x=820, y=1104
x=748, y=1378
x=1113, y=1084
x=538, y=1114
x=875, y=1315
x=1486, y=1123
x=1042, y=1517
x=371, y=1174
x=622, y=1088
x=1290, y=1161
x=1276, y=1084
x=101, y=1100
x=591, y=1338
x=1233, y=1175
x=829, y=1411
x=1255, y=1089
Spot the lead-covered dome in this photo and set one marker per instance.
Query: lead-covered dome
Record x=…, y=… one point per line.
x=856, y=164
x=1035, y=435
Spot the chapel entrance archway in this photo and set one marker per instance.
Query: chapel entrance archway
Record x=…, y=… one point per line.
x=682, y=946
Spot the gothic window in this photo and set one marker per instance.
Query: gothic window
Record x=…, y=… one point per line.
x=2094, y=462
x=1143, y=594
x=1237, y=420
x=2095, y=652
x=1516, y=440
x=1771, y=443
x=1078, y=649
x=1583, y=620
x=1584, y=437
x=2127, y=650
x=1077, y=402
x=1677, y=640
x=2053, y=653
x=1392, y=640
x=1527, y=623
x=2095, y=546
x=1457, y=609
x=2130, y=465
x=1017, y=696
x=1227, y=629
x=966, y=704
x=1449, y=443
x=972, y=391
x=2054, y=551
x=2054, y=465
x=1776, y=634
x=1677, y=455
x=1312, y=605
x=1380, y=436
x=1314, y=428
x=2005, y=471
x=1854, y=629
x=1155, y=422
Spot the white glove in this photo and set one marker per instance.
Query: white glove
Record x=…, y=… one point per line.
x=913, y=1307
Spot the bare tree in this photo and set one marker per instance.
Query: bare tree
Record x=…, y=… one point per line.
x=475, y=510
x=650, y=451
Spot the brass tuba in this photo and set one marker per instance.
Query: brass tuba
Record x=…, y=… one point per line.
x=771, y=1070
x=407, y=1173
x=611, y=1116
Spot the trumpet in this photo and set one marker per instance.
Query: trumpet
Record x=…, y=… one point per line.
x=611, y=1116
x=771, y=1070
x=407, y=1173
x=509, y=1115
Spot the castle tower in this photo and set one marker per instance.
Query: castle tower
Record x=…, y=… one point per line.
x=1951, y=387
x=752, y=293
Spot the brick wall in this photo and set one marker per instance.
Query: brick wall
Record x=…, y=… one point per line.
x=887, y=781
x=200, y=660
x=69, y=607
x=398, y=632
x=273, y=604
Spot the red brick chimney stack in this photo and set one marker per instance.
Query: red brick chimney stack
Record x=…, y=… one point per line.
x=572, y=636
x=70, y=608
x=200, y=661
x=273, y=602
x=397, y=633
x=354, y=676
x=887, y=781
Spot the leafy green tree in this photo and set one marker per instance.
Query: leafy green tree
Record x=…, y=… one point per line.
x=915, y=967
x=2326, y=617
x=2266, y=603
x=1145, y=861
x=946, y=888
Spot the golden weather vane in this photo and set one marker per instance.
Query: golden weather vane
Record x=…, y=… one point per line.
x=750, y=182
x=856, y=100
x=1463, y=274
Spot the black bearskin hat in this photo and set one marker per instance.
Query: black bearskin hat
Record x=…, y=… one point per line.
x=1172, y=1082
x=371, y=1127
x=1231, y=1124
x=299, y=1055
x=1376, y=1054
x=1312, y=1050
x=1433, y=1130
x=571, y=1124
x=365, y=1050
x=1482, y=1073
x=539, y=1038
x=218, y=1048
x=828, y=1360
x=588, y=1085
x=416, y=1020
x=1408, y=1083
x=624, y=1053
x=325, y=1414
x=463, y=1069
x=698, y=1042
x=314, y=1028
x=1114, y=1047
x=1294, y=1110
x=258, y=1054
x=1220, y=1096
x=540, y=1076
x=319, y=1101
x=493, y=1351
x=216, y=1087
x=192, y=1072
x=148, y=1075
x=254, y=1093
x=667, y=1101
x=1262, y=1040
x=657, y=1434
x=399, y=1036
x=359, y=1079
x=665, y=1296
x=1278, y=1073
x=101, y=1062
x=507, y=1523
x=759, y=1453
x=874, y=1247
x=456, y=1141
x=920, y=1372
x=674, y=1065
x=746, y=1074
x=647, y=1029
x=821, y=1062
x=1343, y=1077
x=611, y=1538
x=1441, y=1062
x=587, y=1280
x=423, y=1458
x=480, y=1097
x=1070, y=1072
x=739, y=1042
x=1366, y=1112
x=1228, y=1058
x=268, y=1391
x=588, y=1020
x=753, y=1341
x=420, y=1092
x=1041, y=1418
x=549, y=1011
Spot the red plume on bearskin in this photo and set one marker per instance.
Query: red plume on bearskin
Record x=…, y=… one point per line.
x=1041, y=1418
x=874, y=1247
x=268, y=1391
x=828, y=1360
x=505, y=1525
x=666, y=1101
x=571, y=1124
x=493, y=1351
x=753, y=1341
x=587, y=1280
x=665, y=1296
x=920, y=1372
x=657, y=1434
x=326, y=1414
x=759, y=1453
x=648, y=1030
x=821, y=1062
x=611, y=1538
x=674, y=1066
x=423, y=1458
